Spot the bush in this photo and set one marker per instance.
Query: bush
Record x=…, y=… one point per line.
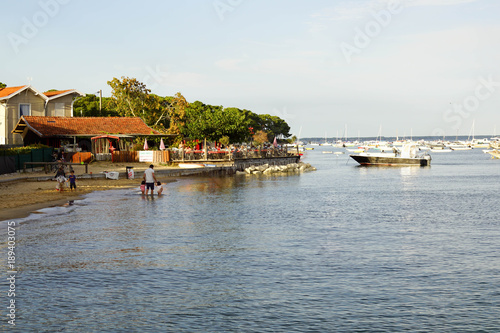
x=22, y=150
x=137, y=146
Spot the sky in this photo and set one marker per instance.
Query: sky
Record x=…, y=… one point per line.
x=328, y=68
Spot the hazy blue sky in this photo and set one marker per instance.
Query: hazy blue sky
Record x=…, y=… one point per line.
x=426, y=67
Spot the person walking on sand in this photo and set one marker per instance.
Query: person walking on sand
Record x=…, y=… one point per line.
x=60, y=178
x=150, y=179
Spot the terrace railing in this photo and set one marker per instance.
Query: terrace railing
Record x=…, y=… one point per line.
x=178, y=155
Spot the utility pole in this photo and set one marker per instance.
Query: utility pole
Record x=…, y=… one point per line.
x=100, y=101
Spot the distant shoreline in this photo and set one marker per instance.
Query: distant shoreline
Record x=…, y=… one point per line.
x=394, y=138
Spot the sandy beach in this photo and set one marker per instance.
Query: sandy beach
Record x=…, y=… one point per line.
x=22, y=193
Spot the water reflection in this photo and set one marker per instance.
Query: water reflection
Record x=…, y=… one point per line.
x=208, y=185
x=342, y=247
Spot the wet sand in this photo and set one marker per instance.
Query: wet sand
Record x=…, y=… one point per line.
x=20, y=197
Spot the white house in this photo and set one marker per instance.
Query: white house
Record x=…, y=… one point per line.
x=27, y=101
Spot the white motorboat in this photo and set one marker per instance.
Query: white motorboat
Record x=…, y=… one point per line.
x=409, y=155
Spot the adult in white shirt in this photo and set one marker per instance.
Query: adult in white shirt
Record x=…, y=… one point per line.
x=150, y=179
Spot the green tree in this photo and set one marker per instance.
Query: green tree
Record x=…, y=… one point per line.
x=274, y=126
x=199, y=122
x=88, y=106
x=253, y=119
x=225, y=140
x=176, y=113
x=215, y=122
x=131, y=98
x=2, y=85
x=260, y=137
x=236, y=124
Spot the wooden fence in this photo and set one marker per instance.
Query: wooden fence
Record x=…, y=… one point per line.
x=125, y=156
x=133, y=156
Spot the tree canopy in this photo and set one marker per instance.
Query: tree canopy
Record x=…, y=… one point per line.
x=274, y=126
x=174, y=115
x=2, y=85
x=214, y=122
x=88, y=106
x=131, y=98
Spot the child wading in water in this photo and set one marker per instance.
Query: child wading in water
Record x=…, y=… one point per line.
x=72, y=181
x=159, y=188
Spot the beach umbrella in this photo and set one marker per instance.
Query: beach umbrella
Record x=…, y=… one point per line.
x=275, y=142
x=162, y=145
x=146, y=144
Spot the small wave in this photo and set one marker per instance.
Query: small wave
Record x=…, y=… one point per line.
x=64, y=209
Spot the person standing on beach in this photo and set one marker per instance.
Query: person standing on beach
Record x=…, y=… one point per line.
x=150, y=179
x=72, y=181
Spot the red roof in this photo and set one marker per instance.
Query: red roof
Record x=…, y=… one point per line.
x=84, y=126
x=54, y=93
x=4, y=92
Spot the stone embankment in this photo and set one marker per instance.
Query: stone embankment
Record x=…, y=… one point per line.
x=266, y=169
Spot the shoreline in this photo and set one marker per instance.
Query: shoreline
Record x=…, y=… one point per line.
x=31, y=197
x=25, y=193
x=57, y=199
x=27, y=210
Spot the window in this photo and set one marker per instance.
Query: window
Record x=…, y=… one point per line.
x=59, y=109
x=24, y=110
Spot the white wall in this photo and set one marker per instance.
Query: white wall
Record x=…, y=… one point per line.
x=3, y=125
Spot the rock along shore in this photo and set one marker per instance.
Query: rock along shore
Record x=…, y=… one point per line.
x=266, y=169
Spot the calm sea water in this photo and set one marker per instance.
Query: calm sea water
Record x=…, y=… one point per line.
x=342, y=249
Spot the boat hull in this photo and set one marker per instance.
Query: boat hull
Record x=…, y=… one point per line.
x=393, y=161
x=494, y=153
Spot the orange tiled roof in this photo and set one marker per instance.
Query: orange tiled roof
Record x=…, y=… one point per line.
x=54, y=93
x=4, y=92
x=91, y=126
